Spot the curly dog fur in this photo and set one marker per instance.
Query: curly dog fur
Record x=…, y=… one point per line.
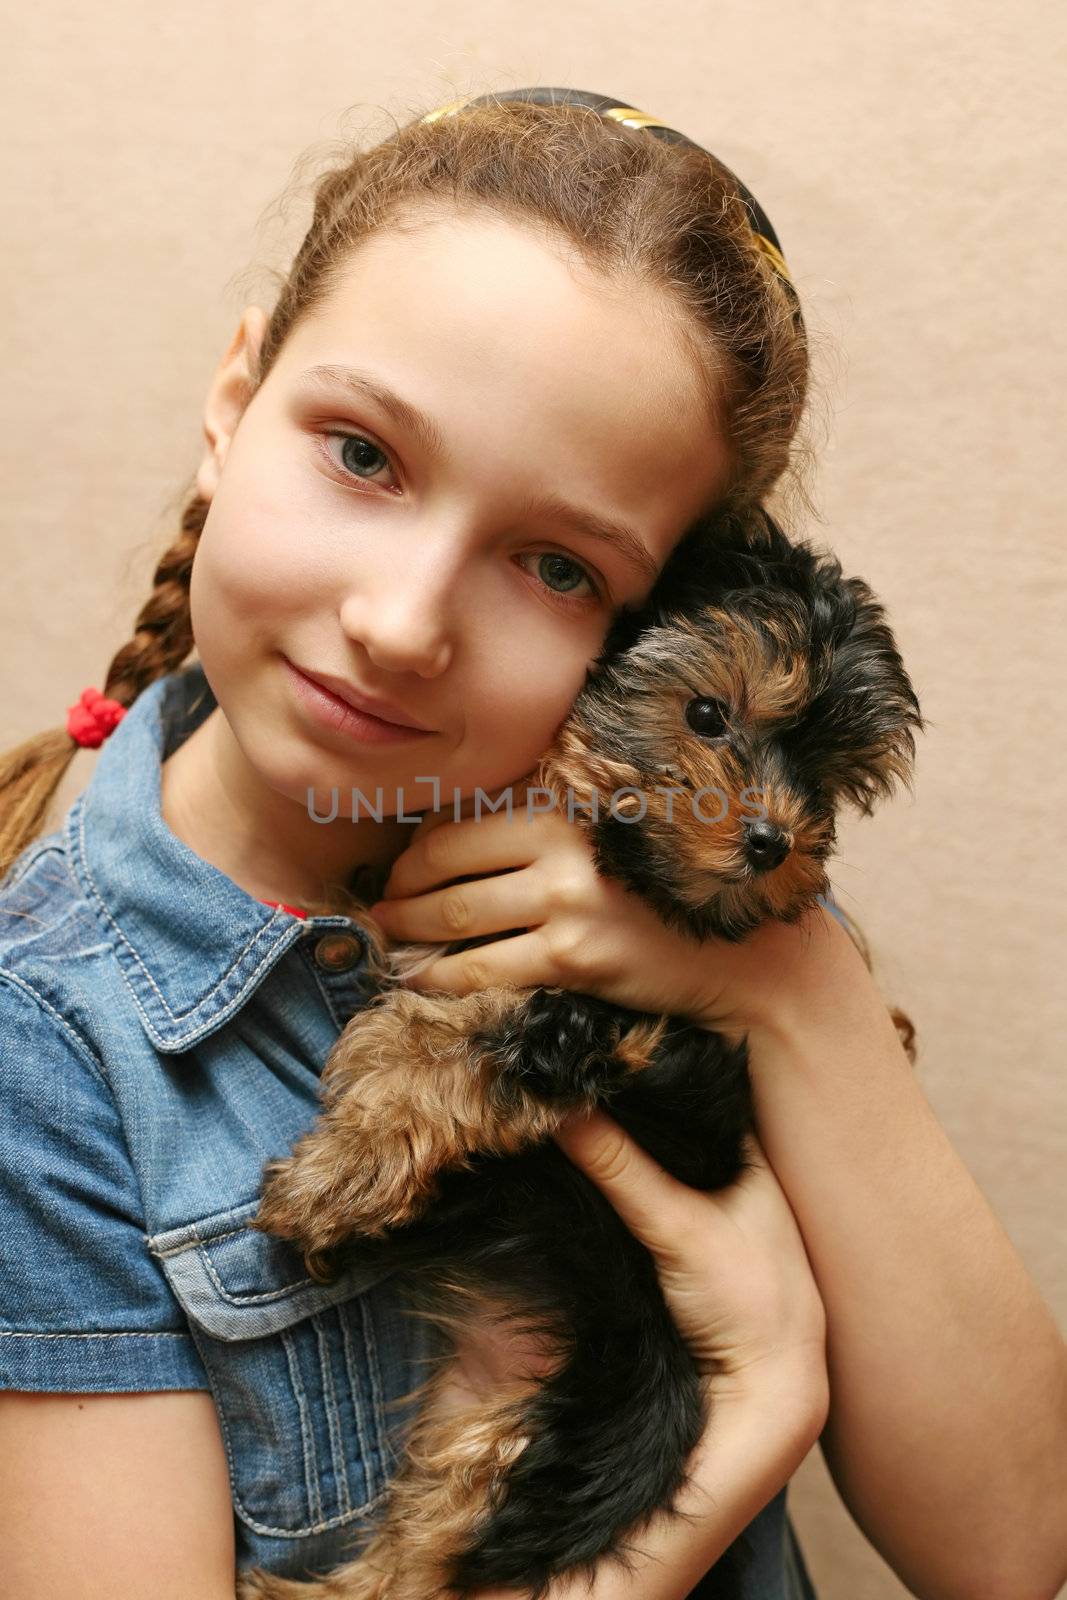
x=755, y=669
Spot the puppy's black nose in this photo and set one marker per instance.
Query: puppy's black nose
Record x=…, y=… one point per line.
x=766, y=845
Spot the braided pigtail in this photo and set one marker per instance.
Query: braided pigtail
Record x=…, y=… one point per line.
x=162, y=637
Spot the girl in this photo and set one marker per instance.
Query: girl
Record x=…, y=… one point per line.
x=406, y=541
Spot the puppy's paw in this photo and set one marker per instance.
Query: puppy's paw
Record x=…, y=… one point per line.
x=345, y=1180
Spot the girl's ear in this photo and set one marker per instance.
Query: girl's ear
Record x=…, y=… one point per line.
x=228, y=396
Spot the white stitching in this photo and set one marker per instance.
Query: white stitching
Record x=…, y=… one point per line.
x=373, y=1372
x=207, y=1346
x=307, y=1432
x=173, y=1016
x=246, y=1299
x=316, y=1527
x=200, y=1243
x=333, y=1418
x=73, y=1037
x=358, y=1412
x=30, y=857
x=195, y=1238
x=7, y=1333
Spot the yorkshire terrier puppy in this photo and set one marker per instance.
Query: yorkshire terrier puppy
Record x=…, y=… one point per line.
x=714, y=739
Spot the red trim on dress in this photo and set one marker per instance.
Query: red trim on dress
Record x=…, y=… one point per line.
x=293, y=911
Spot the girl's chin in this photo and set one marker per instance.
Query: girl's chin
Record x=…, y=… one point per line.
x=330, y=796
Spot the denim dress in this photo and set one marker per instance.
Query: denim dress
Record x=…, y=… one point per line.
x=162, y=1033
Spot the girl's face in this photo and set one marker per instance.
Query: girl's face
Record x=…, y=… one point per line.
x=434, y=532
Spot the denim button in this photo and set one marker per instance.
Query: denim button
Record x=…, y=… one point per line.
x=338, y=952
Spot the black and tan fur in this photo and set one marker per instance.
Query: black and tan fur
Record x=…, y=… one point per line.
x=755, y=668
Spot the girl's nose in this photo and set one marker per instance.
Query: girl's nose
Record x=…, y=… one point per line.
x=403, y=619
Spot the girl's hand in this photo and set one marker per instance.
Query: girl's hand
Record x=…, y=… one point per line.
x=581, y=930
x=733, y=1270
x=732, y=1264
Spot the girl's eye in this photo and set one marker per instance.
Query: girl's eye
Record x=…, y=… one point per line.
x=553, y=568
x=361, y=458
x=357, y=455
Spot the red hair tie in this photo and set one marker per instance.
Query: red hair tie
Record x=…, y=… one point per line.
x=93, y=717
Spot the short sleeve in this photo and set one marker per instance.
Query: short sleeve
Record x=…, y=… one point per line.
x=84, y=1306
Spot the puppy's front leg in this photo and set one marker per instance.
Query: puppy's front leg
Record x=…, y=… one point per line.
x=407, y=1093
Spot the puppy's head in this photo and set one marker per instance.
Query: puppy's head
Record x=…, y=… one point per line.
x=724, y=724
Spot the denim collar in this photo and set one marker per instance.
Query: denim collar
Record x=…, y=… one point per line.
x=192, y=945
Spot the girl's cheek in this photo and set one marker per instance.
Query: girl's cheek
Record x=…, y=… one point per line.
x=519, y=716
x=266, y=529
x=258, y=563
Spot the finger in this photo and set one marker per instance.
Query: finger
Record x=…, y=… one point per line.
x=486, y=844
x=521, y=960
x=649, y=1200
x=514, y=899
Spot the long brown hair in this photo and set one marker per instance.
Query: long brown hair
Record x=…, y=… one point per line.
x=635, y=207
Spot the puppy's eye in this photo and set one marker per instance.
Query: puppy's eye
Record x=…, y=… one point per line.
x=707, y=717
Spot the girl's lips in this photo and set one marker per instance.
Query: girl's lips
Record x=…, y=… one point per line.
x=330, y=711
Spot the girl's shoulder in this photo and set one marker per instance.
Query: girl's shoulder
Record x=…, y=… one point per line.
x=51, y=945
x=83, y=1306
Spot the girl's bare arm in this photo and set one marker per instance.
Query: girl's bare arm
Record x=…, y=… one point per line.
x=114, y=1497
x=947, y=1433
x=127, y=1496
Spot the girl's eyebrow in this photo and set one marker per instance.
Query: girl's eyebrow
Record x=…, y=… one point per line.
x=424, y=430
x=365, y=386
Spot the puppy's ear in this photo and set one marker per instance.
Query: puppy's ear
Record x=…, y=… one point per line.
x=867, y=712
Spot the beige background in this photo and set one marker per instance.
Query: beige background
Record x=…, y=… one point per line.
x=911, y=159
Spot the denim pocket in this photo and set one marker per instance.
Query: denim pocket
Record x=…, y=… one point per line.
x=309, y=1379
